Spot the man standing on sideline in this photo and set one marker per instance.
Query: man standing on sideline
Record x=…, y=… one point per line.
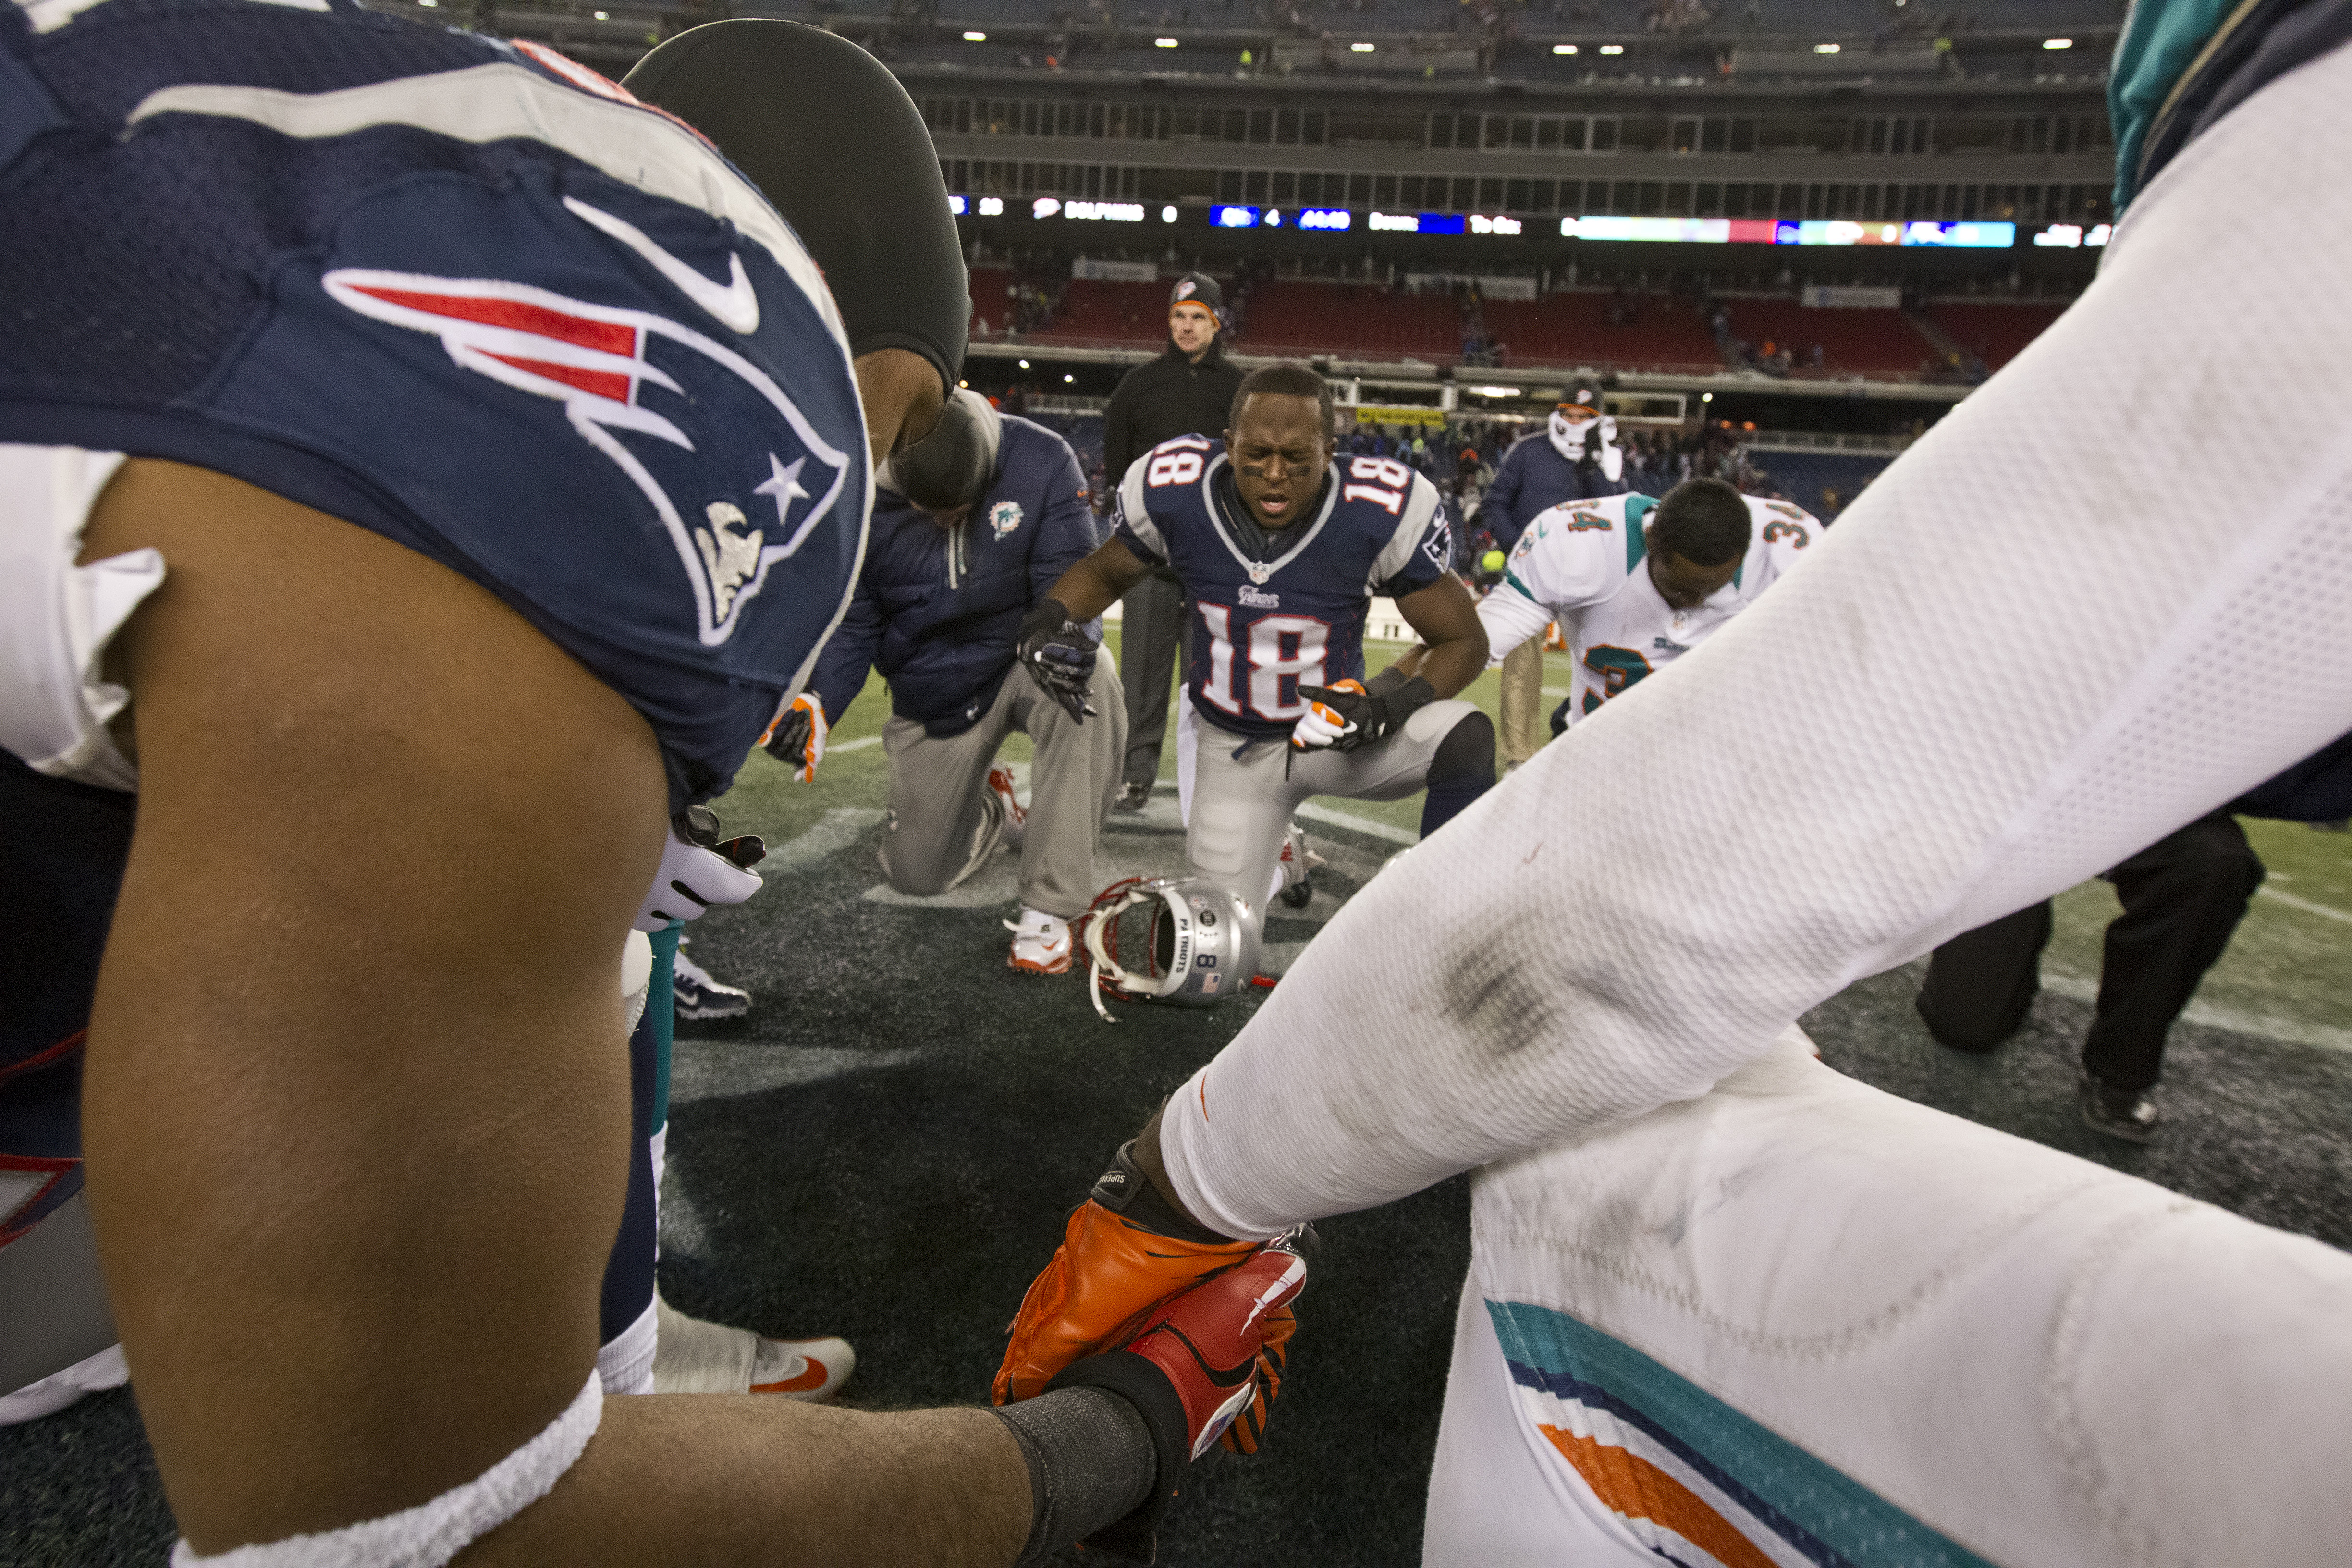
x=970, y=525
x=1574, y=458
x=1185, y=392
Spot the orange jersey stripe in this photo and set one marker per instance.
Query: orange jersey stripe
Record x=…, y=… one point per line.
x=1639, y=1489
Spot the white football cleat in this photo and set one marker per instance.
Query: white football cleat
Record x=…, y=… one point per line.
x=694, y=1355
x=1016, y=816
x=1297, y=867
x=810, y=1370
x=1041, y=943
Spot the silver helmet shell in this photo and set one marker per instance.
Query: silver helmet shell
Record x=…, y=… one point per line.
x=1200, y=940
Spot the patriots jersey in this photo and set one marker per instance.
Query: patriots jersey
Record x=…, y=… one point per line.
x=1582, y=565
x=465, y=294
x=1263, y=627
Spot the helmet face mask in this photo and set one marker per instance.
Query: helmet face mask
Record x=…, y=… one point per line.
x=1199, y=941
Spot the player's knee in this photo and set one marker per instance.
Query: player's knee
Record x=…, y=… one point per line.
x=1466, y=755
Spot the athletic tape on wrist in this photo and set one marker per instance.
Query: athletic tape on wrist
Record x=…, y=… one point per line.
x=1092, y=1463
x=431, y=1533
x=1095, y=1466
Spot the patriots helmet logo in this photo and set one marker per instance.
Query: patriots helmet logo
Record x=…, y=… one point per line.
x=601, y=363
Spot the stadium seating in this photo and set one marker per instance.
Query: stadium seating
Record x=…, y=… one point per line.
x=1802, y=477
x=1301, y=319
x=1574, y=328
x=1995, y=333
x=1853, y=342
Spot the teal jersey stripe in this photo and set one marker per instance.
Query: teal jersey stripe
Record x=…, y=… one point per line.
x=1637, y=512
x=1511, y=580
x=661, y=1010
x=1575, y=1361
x=2160, y=40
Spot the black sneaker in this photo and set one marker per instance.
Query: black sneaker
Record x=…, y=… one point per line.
x=1134, y=796
x=2126, y=1113
x=698, y=996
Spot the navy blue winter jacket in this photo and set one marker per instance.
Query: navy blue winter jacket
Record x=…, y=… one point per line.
x=1534, y=478
x=938, y=611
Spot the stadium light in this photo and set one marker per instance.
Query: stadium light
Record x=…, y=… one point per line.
x=1563, y=48
x=1069, y=378
x=1825, y=49
x=428, y=5
x=608, y=16
x=1025, y=364
x=975, y=38
x=1163, y=43
x=1612, y=49
x=1707, y=398
x=1168, y=214
x=1360, y=48
x=992, y=207
x=1496, y=391
x=2057, y=43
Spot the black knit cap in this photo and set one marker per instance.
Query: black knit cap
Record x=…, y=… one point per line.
x=1200, y=289
x=839, y=149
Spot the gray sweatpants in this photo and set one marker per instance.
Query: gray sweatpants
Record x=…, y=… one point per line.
x=944, y=823
x=1238, y=807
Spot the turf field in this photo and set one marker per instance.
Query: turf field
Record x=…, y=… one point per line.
x=886, y=1149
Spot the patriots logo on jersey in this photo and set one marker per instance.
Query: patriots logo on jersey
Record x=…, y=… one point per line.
x=617, y=371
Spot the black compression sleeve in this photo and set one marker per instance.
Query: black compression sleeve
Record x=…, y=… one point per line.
x=1092, y=1462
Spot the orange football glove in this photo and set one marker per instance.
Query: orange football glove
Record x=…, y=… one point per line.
x=1124, y=1252
x=1323, y=724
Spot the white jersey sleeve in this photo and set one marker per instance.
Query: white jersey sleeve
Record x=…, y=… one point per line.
x=1567, y=557
x=1834, y=784
x=1510, y=618
x=1784, y=532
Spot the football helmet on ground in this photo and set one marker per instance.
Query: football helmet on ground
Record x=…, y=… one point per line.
x=1199, y=944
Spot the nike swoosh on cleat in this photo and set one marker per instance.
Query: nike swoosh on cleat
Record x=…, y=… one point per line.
x=813, y=1376
x=735, y=304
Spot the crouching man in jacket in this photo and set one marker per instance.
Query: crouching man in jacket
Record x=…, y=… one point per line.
x=970, y=527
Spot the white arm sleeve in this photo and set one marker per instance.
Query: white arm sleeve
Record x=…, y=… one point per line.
x=2029, y=650
x=1510, y=618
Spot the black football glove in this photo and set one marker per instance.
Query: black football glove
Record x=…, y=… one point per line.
x=1365, y=718
x=1059, y=656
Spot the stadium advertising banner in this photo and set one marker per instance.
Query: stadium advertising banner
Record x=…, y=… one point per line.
x=1372, y=414
x=1115, y=271
x=1836, y=297
x=1782, y=231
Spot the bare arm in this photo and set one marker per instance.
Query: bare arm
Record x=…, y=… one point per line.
x=355, y=1104
x=1097, y=583
x=1446, y=617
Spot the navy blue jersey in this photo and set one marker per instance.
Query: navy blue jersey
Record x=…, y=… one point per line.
x=938, y=611
x=463, y=293
x=1263, y=627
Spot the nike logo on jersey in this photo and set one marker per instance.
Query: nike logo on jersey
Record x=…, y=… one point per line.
x=735, y=305
x=600, y=362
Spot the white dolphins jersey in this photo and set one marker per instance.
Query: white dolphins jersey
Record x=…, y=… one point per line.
x=1581, y=564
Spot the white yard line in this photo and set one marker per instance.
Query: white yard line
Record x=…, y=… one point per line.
x=1349, y=819
x=2305, y=905
x=859, y=744
x=2290, y=1031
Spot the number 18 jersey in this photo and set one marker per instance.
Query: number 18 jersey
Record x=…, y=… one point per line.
x=1267, y=621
